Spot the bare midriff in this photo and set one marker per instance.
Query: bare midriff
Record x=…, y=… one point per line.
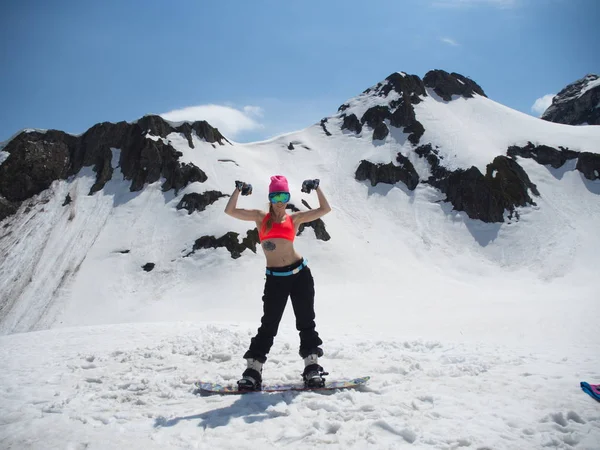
x=279, y=252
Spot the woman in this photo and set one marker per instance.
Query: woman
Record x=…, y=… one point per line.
x=287, y=275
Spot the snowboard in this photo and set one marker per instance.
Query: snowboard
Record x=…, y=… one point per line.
x=207, y=388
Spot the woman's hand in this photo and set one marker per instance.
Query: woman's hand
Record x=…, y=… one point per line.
x=309, y=185
x=244, y=188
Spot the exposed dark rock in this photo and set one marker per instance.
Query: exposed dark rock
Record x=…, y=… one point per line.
x=148, y=266
x=381, y=131
x=375, y=115
x=291, y=146
x=542, y=154
x=7, y=208
x=251, y=240
x=317, y=225
x=352, y=123
x=205, y=131
x=198, y=202
x=485, y=197
x=404, y=117
x=576, y=104
x=229, y=241
x=410, y=86
x=374, y=118
x=409, y=176
x=570, y=154
x=36, y=159
x=447, y=84
x=432, y=156
x=388, y=173
x=344, y=107
x=67, y=200
x=589, y=165
x=156, y=126
x=416, y=130
x=323, y=122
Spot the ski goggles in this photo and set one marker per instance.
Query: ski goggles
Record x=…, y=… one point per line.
x=279, y=197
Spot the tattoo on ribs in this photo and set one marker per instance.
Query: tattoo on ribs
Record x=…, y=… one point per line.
x=269, y=246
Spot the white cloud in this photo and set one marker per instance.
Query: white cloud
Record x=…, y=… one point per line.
x=542, y=104
x=450, y=41
x=255, y=111
x=229, y=120
x=470, y=3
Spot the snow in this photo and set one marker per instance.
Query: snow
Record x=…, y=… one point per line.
x=590, y=85
x=475, y=335
x=3, y=156
x=467, y=137
x=129, y=386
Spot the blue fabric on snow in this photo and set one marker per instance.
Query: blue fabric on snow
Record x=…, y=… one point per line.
x=592, y=389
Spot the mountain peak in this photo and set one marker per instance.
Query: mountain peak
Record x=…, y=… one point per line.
x=393, y=100
x=577, y=104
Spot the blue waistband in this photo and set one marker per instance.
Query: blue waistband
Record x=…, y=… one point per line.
x=294, y=271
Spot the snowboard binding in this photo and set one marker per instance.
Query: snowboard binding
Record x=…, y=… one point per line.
x=251, y=380
x=313, y=376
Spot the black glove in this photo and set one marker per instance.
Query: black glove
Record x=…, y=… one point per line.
x=309, y=185
x=244, y=188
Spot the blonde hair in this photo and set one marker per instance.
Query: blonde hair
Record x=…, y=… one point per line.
x=269, y=223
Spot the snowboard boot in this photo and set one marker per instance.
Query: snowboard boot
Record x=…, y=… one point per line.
x=252, y=377
x=313, y=373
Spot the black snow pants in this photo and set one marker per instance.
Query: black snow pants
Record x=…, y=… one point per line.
x=301, y=288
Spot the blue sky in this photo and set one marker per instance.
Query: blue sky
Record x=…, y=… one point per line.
x=260, y=68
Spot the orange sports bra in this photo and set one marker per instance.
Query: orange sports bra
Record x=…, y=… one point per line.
x=283, y=230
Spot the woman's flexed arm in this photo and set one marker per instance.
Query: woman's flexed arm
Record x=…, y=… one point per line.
x=313, y=214
x=252, y=215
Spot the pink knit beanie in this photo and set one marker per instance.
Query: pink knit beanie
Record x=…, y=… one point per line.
x=278, y=184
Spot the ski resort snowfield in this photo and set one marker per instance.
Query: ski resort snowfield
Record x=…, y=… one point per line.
x=475, y=335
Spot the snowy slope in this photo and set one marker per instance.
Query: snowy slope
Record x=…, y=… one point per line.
x=129, y=386
x=441, y=310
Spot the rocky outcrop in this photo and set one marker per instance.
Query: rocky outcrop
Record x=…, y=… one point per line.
x=407, y=86
x=577, y=104
x=399, y=112
x=405, y=91
x=447, y=84
x=404, y=117
x=36, y=159
x=317, y=225
x=323, y=122
x=149, y=267
x=319, y=228
x=589, y=165
x=388, y=173
x=351, y=123
x=198, y=202
x=504, y=187
x=374, y=118
x=229, y=241
x=380, y=131
x=375, y=115
x=543, y=154
x=7, y=208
